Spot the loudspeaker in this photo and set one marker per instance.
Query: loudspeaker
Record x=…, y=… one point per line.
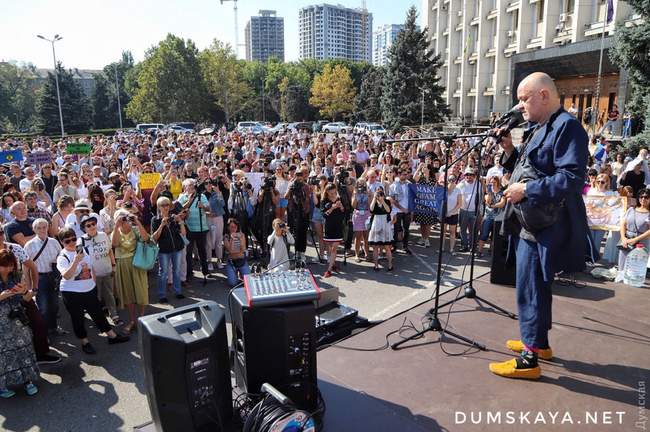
x=277, y=345
x=187, y=373
x=500, y=272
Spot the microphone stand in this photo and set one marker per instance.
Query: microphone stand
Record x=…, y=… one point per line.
x=432, y=314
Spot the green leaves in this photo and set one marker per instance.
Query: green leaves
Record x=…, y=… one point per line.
x=333, y=92
x=410, y=81
x=169, y=85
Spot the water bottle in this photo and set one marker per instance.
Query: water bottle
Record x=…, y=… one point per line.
x=636, y=265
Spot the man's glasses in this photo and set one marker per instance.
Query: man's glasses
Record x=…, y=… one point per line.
x=90, y=225
x=69, y=240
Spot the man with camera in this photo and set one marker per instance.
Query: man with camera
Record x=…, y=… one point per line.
x=268, y=199
x=279, y=241
x=298, y=195
x=239, y=200
x=399, y=199
x=196, y=204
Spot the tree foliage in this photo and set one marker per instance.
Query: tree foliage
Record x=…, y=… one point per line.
x=631, y=52
x=105, y=104
x=412, y=70
x=223, y=77
x=75, y=106
x=368, y=102
x=333, y=92
x=18, y=93
x=170, y=84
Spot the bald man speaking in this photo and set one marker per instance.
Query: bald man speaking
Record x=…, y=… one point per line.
x=545, y=215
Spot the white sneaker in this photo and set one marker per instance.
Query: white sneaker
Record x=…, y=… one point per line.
x=220, y=265
x=210, y=267
x=426, y=243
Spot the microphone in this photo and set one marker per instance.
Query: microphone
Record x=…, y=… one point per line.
x=506, y=123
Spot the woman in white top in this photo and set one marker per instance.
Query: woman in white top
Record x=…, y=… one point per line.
x=279, y=242
x=454, y=203
x=79, y=292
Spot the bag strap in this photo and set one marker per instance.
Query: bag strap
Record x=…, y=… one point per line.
x=41, y=250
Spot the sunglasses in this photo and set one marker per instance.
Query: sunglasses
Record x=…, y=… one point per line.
x=69, y=240
x=644, y=197
x=90, y=225
x=601, y=182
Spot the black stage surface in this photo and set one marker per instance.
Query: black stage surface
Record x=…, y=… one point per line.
x=601, y=342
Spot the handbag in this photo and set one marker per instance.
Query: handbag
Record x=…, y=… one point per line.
x=145, y=254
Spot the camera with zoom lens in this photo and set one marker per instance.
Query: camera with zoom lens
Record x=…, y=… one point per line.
x=268, y=183
x=342, y=177
x=313, y=181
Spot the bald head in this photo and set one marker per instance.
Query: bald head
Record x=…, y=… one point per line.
x=538, y=96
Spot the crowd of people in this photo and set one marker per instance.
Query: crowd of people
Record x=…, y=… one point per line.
x=214, y=203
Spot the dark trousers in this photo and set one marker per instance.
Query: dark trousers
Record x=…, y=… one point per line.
x=197, y=239
x=79, y=303
x=402, y=224
x=299, y=231
x=534, y=296
x=47, y=299
x=39, y=329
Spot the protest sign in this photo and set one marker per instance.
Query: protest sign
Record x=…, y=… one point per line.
x=39, y=158
x=11, y=156
x=425, y=199
x=148, y=180
x=604, y=212
x=78, y=148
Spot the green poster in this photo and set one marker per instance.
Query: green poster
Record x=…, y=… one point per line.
x=78, y=148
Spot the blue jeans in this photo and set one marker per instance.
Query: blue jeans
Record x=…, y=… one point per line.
x=598, y=236
x=534, y=296
x=627, y=128
x=167, y=262
x=467, y=228
x=486, y=229
x=231, y=272
x=47, y=299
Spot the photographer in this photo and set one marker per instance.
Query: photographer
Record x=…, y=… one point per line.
x=80, y=293
x=168, y=231
x=217, y=211
x=267, y=200
x=279, y=242
x=334, y=214
x=239, y=200
x=299, y=211
x=345, y=188
x=131, y=282
x=234, y=243
x=197, y=226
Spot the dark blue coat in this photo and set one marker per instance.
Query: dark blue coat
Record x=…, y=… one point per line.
x=559, y=149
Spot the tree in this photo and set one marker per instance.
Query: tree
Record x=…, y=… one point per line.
x=368, y=102
x=17, y=97
x=170, y=84
x=294, y=102
x=75, y=106
x=411, y=73
x=101, y=115
x=223, y=76
x=332, y=92
x=631, y=52
x=105, y=102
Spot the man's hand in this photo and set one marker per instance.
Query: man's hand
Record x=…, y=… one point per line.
x=515, y=192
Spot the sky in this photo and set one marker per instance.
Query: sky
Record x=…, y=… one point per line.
x=95, y=32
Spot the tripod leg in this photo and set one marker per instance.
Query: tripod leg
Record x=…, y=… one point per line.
x=313, y=242
x=464, y=339
x=498, y=308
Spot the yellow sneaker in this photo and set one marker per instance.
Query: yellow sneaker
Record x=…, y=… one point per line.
x=509, y=369
x=518, y=346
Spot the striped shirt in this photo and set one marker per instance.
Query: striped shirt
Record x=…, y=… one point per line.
x=47, y=257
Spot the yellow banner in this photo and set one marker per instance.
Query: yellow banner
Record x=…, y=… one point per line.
x=148, y=180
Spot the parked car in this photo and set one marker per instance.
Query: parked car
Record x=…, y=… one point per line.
x=336, y=127
x=318, y=125
x=178, y=129
x=277, y=128
x=145, y=127
x=186, y=125
x=298, y=126
x=360, y=127
x=374, y=128
x=250, y=127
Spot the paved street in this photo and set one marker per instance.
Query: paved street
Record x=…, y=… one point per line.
x=105, y=392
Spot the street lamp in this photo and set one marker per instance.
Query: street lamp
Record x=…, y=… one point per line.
x=117, y=88
x=56, y=77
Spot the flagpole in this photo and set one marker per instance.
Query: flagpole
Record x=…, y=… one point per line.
x=594, y=118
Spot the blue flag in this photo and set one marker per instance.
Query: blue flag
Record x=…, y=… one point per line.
x=10, y=156
x=425, y=199
x=610, y=11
